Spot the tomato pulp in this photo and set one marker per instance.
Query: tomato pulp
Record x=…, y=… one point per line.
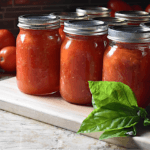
x=62, y=33
x=38, y=61
x=129, y=63
x=81, y=61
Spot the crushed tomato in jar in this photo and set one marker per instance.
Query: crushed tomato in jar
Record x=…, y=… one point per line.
x=81, y=59
x=127, y=60
x=38, y=54
x=64, y=16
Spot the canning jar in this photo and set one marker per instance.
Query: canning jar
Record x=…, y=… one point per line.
x=64, y=16
x=127, y=60
x=133, y=17
x=81, y=59
x=38, y=54
x=111, y=21
x=94, y=11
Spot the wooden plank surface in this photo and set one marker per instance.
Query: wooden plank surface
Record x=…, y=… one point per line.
x=54, y=110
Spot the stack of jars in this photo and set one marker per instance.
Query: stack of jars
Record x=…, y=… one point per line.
x=49, y=61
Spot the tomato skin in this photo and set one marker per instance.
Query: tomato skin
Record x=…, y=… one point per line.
x=136, y=7
x=120, y=6
x=147, y=9
x=6, y=38
x=110, y=2
x=8, y=58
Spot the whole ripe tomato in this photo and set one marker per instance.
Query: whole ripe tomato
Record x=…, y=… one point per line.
x=137, y=7
x=6, y=38
x=110, y=2
x=120, y=6
x=8, y=58
x=147, y=9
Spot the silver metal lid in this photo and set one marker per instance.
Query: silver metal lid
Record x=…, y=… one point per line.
x=129, y=34
x=146, y=24
x=38, y=22
x=112, y=20
x=133, y=16
x=69, y=16
x=85, y=27
x=101, y=11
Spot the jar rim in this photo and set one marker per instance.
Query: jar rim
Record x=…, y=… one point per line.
x=38, y=21
x=130, y=34
x=85, y=27
x=112, y=20
x=133, y=16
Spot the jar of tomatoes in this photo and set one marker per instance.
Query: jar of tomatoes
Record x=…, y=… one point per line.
x=111, y=21
x=64, y=16
x=133, y=17
x=38, y=54
x=94, y=11
x=127, y=60
x=81, y=59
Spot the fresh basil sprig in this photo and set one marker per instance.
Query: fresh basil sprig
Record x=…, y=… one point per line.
x=116, y=111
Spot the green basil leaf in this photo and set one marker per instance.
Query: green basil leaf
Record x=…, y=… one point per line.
x=140, y=112
x=117, y=133
x=147, y=122
x=110, y=117
x=104, y=92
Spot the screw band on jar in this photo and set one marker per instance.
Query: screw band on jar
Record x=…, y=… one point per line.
x=111, y=20
x=92, y=11
x=38, y=22
x=129, y=34
x=133, y=16
x=85, y=27
x=146, y=24
x=69, y=16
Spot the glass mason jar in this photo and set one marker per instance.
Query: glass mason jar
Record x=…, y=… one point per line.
x=81, y=59
x=38, y=54
x=127, y=60
x=133, y=17
x=64, y=16
x=94, y=11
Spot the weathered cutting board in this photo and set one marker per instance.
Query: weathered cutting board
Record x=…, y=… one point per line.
x=54, y=110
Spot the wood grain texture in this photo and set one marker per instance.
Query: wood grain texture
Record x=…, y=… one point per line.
x=54, y=110
x=20, y=133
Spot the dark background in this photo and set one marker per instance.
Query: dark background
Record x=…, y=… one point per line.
x=11, y=9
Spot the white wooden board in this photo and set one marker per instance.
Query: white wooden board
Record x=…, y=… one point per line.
x=54, y=110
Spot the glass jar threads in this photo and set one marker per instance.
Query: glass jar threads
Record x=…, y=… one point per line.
x=81, y=59
x=94, y=11
x=127, y=60
x=38, y=54
x=64, y=16
x=133, y=17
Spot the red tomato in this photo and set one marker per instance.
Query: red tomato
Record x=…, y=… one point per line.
x=6, y=38
x=110, y=2
x=136, y=7
x=147, y=9
x=8, y=58
x=119, y=5
x=22, y=2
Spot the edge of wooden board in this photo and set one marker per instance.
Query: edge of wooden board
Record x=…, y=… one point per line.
x=54, y=110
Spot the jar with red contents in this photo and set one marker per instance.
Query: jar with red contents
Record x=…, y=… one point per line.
x=94, y=11
x=38, y=54
x=64, y=16
x=81, y=59
x=127, y=60
x=133, y=17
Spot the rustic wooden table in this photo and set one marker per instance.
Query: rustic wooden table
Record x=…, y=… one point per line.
x=17, y=132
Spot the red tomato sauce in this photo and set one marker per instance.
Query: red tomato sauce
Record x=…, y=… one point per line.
x=38, y=61
x=81, y=61
x=129, y=63
x=62, y=33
